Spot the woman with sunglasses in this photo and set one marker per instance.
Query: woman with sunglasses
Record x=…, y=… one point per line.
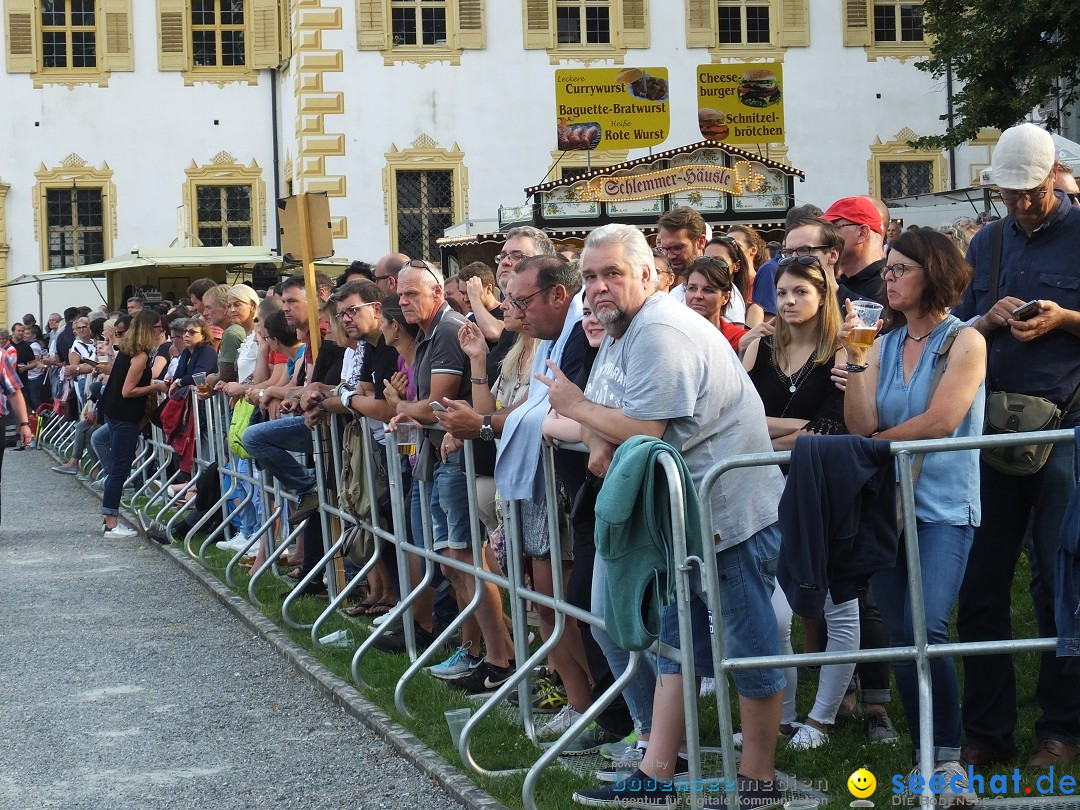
x=889, y=396
x=708, y=291
x=198, y=356
x=791, y=370
x=739, y=309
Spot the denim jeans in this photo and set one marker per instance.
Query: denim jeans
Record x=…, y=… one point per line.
x=249, y=518
x=124, y=438
x=1009, y=504
x=100, y=443
x=943, y=556
x=272, y=444
x=450, y=510
x=639, y=692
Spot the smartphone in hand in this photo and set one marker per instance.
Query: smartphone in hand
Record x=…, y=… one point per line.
x=1026, y=311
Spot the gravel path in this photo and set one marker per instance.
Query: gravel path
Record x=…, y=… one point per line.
x=126, y=685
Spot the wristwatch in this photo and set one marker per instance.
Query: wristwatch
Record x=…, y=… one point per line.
x=487, y=432
x=262, y=393
x=24, y=424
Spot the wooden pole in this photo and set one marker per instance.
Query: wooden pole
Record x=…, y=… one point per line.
x=308, y=258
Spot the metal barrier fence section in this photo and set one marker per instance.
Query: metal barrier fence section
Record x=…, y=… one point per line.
x=161, y=498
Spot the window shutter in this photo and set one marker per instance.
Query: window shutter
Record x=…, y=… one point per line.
x=173, y=35
x=635, y=24
x=794, y=24
x=119, y=54
x=539, y=23
x=21, y=39
x=372, y=31
x=857, y=31
x=701, y=23
x=264, y=34
x=470, y=23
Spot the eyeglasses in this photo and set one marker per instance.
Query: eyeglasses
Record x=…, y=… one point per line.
x=522, y=304
x=377, y=279
x=350, y=312
x=83, y=326
x=805, y=261
x=672, y=250
x=898, y=270
x=804, y=250
x=118, y=332
x=513, y=255
x=1032, y=195
x=420, y=263
x=191, y=332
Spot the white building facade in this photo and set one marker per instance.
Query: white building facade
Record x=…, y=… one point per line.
x=131, y=120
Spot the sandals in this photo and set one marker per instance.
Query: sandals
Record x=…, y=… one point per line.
x=380, y=608
x=360, y=609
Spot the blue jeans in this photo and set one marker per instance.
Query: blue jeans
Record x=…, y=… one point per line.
x=99, y=441
x=1009, y=504
x=747, y=574
x=124, y=437
x=639, y=692
x=943, y=557
x=271, y=445
x=248, y=520
x=450, y=510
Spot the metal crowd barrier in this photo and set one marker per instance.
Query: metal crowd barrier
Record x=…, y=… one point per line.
x=213, y=447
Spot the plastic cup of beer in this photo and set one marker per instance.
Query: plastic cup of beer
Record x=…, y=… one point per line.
x=869, y=313
x=408, y=436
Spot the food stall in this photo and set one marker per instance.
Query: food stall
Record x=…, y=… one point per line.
x=725, y=183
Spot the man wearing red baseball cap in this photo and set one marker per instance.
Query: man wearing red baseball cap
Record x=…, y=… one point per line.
x=860, y=264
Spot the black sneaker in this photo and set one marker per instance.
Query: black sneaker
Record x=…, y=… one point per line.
x=609, y=774
x=637, y=791
x=754, y=794
x=394, y=640
x=309, y=503
x=159, y=532
x=485, y=678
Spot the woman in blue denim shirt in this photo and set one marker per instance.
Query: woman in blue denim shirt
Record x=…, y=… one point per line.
x=888, y=396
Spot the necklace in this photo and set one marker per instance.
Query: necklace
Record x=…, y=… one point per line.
x=798, y=378
x=919, y=339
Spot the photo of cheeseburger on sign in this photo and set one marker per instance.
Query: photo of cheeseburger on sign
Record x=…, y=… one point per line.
x=712, y=124
x=759, y=88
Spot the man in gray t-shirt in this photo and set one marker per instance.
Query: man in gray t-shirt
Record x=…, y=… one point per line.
x=664, y=371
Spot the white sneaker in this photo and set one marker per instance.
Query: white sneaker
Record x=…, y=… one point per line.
x=120, y=530
x=737, y=737
x=557, y=725
x=237, y=543
x=808, y=737
x=955, y=777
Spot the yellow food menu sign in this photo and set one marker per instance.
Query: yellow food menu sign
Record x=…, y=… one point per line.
x=611, y=108
x=741, y=103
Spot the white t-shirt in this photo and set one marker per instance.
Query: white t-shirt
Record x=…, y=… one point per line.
x=673, y=364
x=735, y=311
x=246, y=357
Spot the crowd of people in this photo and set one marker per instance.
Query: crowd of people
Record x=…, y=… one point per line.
x=603, y=346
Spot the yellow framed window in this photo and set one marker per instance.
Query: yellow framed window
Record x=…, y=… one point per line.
x=418, y=22
x=425, y=208
x=898, y=22
x=743, y=22
x=583, y=22
x=223, y=215
x=74, y=226
x=218, y=32
x=68, y=35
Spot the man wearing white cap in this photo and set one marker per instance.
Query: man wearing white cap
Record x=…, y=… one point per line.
x=1037, y=353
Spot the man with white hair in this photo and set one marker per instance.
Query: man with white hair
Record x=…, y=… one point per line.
x=693, y=394
x=1037, y=354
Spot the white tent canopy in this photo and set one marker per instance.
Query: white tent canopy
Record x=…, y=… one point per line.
x=229, y=256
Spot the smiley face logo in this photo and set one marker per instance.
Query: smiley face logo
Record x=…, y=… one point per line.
x=862, y=783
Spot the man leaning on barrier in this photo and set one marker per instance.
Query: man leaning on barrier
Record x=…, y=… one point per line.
x=664, y=371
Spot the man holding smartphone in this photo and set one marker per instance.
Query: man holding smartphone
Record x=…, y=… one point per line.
x=1032, y=327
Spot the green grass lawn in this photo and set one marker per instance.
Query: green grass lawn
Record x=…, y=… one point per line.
x=500, y=744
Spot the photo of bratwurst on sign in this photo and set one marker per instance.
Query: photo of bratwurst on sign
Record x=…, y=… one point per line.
x=759, y=88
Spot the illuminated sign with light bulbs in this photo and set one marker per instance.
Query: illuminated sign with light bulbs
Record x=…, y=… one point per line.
x=674, y=180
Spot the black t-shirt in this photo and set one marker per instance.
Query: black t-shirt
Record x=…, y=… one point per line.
x=327, y=368
x=164, y=350
x=867, y=284
x=570, y=465
x=498, y=350
x=380, y=364
x=23, y=355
